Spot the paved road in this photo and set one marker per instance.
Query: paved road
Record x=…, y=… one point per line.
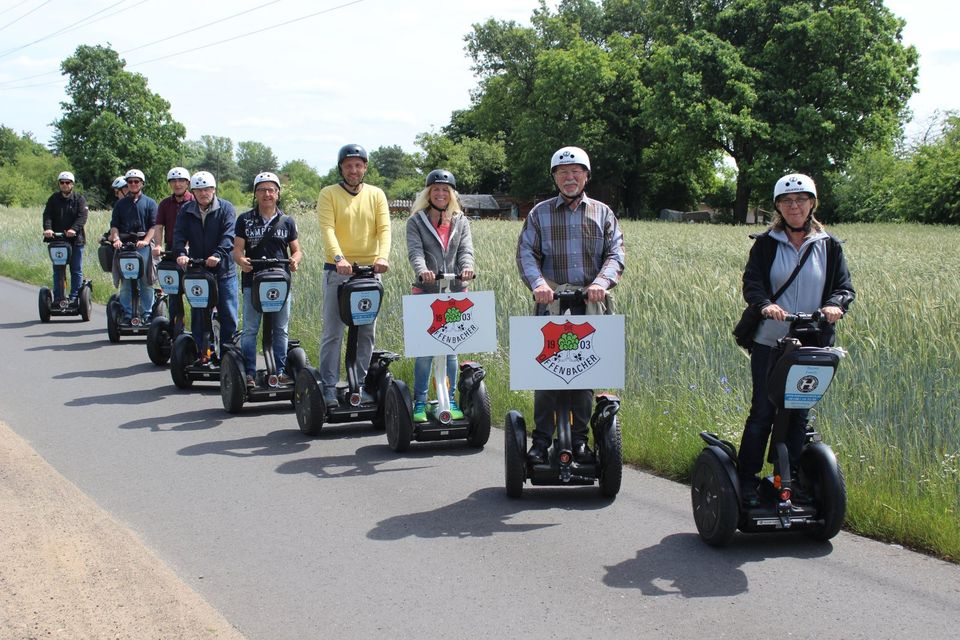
x=292, y=537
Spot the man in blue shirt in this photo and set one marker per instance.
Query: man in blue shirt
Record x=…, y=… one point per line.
x=135, y=213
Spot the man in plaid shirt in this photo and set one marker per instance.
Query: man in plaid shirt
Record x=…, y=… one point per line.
x=576, y=241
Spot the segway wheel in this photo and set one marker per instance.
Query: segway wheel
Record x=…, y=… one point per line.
x=514, y=453
x=479, y=417
x=821, y=473
x=159, y=341
x=232, y=383
x=610, y=454
x=296, y=361
x=182, y=355
x=715, y=508
x=43, y=304
x=159, y=307
x=86, y=303
x=398, y=417
x=114, y=315
x=308, y=401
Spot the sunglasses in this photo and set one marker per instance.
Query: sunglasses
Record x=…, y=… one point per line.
x=65, y=182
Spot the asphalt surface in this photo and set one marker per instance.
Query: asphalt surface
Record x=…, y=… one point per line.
x=293, y=537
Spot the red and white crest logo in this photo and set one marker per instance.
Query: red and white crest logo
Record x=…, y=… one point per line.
x=568, y=349
x=452, y=322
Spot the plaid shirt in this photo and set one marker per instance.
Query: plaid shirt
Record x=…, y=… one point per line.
x=578, y=247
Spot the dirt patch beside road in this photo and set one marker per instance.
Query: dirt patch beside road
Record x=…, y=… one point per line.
x=70, y=570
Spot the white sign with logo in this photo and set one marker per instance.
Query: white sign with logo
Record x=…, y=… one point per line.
x=806, y=385
x=566, y=352
x=447, y=323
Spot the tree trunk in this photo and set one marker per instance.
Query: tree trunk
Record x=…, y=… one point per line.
x=742, y=202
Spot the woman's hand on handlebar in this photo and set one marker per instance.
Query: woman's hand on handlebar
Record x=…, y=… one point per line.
x=774, y=312
x=427, y=277
x=831, y=313
x=467, y=274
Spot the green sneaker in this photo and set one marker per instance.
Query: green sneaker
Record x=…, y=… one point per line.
x=419, y=411
x=455, y=413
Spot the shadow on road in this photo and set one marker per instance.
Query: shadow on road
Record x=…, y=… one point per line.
x=275, y=443
x=187, y=421
x=484, y=513
x=137, y=396
x=681, y=564
x=119, y=372
x=19, y=325
x=366, y=461
x=67, y=334
x=72, y=346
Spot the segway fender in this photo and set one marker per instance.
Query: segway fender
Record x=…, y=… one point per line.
x=519, y=432
x=729, y=466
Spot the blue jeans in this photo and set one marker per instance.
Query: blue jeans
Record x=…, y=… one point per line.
x=759, y=423
x=76, y=274
x=421, y=376
x=251, y=326
x=227, y=302
x=144, y=300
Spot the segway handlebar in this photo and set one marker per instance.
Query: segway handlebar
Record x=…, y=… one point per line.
x=570, y=295
x=363, y=270
x=268, y=262
x=816, y=316
x=440, y=275
x=59, y=236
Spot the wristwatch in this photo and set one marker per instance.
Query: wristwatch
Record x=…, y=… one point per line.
x=337, y=259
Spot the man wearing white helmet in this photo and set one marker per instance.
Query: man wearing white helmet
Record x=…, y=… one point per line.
x=135, y=213
x=205, y=230
x=568, y=241
x=66, y=213
x=178, y=179
x=265, y=232
x=795, y=266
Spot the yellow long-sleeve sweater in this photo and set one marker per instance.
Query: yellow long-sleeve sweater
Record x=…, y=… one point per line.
x=356, y=227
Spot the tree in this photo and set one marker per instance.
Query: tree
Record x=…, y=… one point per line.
x=779, y=85
x=253, y=158
x=930, y=189
x=301, y=183
x=217, y=158
x=113, y=122
x=393, y=162
x=476, y=164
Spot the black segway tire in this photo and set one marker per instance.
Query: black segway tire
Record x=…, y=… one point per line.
x=296, y=361
x=159, y=308
x=714, y=498
x=308, y=401
x=822, y=476
x=398, y=416
x=610, y=454
x=232, y=382
x=86, y=303
x=514, y=455
x=114, y=316
x=43, y=304
x=159, y=341
x=479, y=417
x=182, y=355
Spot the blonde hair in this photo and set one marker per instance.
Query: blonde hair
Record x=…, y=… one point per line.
x=422, y=203
x=812, y=224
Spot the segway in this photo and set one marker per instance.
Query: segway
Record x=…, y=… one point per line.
x=359, y=303
x=191, y=362
x=812, y=500
x=440, y=425
x=164, y=330
x=270, y=290
x=131, y=265
x=565, y=353
x=61, y=249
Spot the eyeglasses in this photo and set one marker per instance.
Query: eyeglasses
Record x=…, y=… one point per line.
x=576, y=173
x=65, y=182
x=794, y=202
x=134, y=180
x=265, y=190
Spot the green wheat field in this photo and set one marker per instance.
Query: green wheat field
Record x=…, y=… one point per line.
x=892, y=416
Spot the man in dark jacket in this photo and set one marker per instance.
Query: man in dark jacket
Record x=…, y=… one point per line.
x=205, y=230
x=66, y=213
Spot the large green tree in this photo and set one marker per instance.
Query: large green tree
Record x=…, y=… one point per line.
x=216, y=156
x=777, y=85
x=252, y=158
x=113, y=122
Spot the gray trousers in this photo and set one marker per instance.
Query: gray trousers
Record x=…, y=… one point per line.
x=332, y=337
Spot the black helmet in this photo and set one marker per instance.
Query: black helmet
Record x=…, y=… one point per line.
x=351, y=151
x=440, y=176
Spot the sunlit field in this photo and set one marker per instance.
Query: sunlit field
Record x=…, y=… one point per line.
x=891, y=415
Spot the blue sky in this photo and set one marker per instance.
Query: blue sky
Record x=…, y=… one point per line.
x=377, y=72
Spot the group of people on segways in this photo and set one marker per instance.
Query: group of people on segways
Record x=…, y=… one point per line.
x=570, y=254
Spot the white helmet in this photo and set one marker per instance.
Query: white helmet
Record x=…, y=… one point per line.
x=65, y=175
x=178, y=173
x=266, y=176
x=570, y=155
x=794, y=183
x=119, y=183
x=136, y=173
x=202, y=179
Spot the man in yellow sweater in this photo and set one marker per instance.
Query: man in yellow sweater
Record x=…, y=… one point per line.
x=355, y=227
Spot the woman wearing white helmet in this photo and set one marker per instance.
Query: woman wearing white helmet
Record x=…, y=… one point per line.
x=796, y=242
x=119, y=186
x=265, y=232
